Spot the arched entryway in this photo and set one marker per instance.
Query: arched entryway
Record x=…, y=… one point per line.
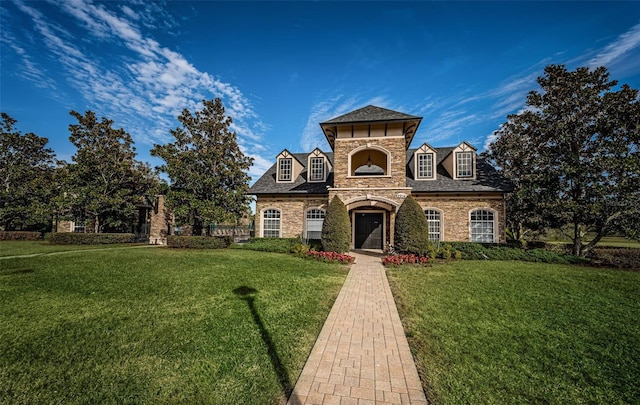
x=371, y=220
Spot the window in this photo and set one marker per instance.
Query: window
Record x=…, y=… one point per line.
x=482, y=226
x=284, y=169
x=464, y=164
x=271, y=224
x=79, y=226
x=317, y=169
x=433, y=220
x=425, y=165
x=315, y=218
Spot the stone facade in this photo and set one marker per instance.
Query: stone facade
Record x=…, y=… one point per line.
x=456, y=211
x=292, y=213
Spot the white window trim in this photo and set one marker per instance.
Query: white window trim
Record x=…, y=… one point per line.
x=310, y=169
x=417, y=166
x=441, y=220
x=306, y=219
x=278, y=179
x=495, y=223
x=473, y=165
x=262, y=221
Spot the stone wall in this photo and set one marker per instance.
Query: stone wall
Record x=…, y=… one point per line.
x=160, y=222
x=292, y=213
x=395, y=178
x=455, y=214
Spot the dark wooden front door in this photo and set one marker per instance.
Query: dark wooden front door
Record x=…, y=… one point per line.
x=368, y=230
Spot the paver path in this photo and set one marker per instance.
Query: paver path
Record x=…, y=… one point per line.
x=361, y=355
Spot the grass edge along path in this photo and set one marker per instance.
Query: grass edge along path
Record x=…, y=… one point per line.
x=160, y=325
x=513, y=332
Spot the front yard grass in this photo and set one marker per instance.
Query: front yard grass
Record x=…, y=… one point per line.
x=21, y=247
x=159, y=325
x=513, y=332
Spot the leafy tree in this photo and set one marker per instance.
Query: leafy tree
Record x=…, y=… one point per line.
x=26, y=173
x=574, y=156
x=106, y=181
x=206, y=168
x=411, y=233
x=336, y=228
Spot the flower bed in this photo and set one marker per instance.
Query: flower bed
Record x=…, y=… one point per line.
x=331, y=257
x=398, y=260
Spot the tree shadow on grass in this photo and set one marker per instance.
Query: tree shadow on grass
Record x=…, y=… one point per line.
x=247, y=294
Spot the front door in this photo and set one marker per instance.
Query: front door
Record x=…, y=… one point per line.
x=368, y=234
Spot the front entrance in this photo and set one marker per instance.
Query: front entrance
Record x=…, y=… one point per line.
x=368, y=230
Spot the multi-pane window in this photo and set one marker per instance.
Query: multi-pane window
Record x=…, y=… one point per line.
x=482, y=226
x=464, y=164
x=317, y=169
x=315, y=218
x=271, y=224
x=284, y=169
x=425, y=165
x=433, y=220
x=79, y=226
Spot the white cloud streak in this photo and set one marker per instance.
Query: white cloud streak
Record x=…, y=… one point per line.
x=144, y=89
x=617, y=49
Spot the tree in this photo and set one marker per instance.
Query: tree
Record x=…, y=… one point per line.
x=336, y=228
x=26, y=172
x=411, y=233
x=573, y=156
x=206, y=168
x=106, y=181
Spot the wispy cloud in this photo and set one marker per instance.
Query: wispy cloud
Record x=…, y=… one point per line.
x=147, y=85
x=617, y=49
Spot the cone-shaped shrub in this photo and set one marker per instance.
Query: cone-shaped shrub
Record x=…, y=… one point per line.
x=411, y=233
x=336, y=228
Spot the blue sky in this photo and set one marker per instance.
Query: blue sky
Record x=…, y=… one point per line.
x=283, y=67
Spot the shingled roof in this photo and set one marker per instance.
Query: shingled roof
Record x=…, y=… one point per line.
x=370, y=113
x=487, y=179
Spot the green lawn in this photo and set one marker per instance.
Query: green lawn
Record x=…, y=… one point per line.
x=512, y=332
x=16, y=248
x=159, y=325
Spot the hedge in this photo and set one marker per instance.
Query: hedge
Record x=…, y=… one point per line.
x=72, y=238
x=494, y=251
x=276, y=245
x=199, y=242
x=20, y=235
x=617, y=257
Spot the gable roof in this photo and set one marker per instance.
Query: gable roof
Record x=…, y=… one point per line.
x=487, y=178
x=370, y=113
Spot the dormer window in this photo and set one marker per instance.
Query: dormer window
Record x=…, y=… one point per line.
x=284, y=169
x=317, y=169
x=425, y=165
x=464, y=164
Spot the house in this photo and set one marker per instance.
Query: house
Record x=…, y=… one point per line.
x=372, y=169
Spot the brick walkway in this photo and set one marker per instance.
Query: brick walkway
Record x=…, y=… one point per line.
x=361, y=355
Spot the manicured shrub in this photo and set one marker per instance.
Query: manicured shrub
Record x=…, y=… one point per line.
x=20, y=235
x=275, y=245
x=621, y=258
x=199, y=242
x=71, y=238
x=494, y=251
x=411, y=234
x=336, y=228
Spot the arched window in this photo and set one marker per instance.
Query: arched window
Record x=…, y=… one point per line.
x=434, y=219
x=482, y=226
x=315, y=218
x=271, y=223
x=369, y=162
